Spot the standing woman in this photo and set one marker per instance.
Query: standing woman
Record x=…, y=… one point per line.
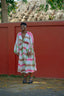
x=25, y=50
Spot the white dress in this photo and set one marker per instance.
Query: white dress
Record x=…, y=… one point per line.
x=25, y=64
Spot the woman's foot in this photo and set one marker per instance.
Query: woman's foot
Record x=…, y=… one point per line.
x=31, y=80
x=25, y=80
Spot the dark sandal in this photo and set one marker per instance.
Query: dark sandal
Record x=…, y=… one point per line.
x=30, y=81
x=24, y=81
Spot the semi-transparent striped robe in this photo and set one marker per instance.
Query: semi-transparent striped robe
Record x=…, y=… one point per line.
x=25, y=64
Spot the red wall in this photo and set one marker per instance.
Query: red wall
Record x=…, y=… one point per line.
x=48, y=44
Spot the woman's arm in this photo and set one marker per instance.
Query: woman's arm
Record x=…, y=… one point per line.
x=31, y=46
x=16, y=47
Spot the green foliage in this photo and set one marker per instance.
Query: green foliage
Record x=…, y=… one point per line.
x=51, y=17
x=3, y=75
x=24, y=1
x=56, y=4
x=41, y=6
x=46, y=8
x=10, y=1
x=15, y=76
x=0, y=14
x=11, y=6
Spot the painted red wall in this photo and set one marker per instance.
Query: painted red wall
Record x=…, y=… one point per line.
x=48, y=45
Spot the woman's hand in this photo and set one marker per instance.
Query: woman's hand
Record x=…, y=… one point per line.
x=29, y=54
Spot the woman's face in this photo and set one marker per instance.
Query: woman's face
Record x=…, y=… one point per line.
x=23, y=27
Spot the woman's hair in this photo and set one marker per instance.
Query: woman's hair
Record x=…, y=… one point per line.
x=23, y=23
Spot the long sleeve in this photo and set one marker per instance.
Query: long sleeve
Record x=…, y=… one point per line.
x=31, y=43
x=16, y=47
x=32, y=47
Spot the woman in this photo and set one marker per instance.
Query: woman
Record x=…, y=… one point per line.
x=24, y=49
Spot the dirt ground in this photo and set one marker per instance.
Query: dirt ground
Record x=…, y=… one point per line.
x=12, y=84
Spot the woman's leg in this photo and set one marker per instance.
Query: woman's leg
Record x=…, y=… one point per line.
x=31, y=76
x=25, y=75
x=25, y=78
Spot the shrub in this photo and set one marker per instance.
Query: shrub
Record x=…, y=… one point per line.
x=56, y=4
x=24, y=1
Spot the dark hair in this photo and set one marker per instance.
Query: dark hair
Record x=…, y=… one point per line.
x=23, y=23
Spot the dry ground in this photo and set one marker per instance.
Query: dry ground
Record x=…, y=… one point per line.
x=39, y=83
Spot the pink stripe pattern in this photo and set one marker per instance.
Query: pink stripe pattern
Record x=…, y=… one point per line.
x=29, y=59
x=19, y=34
x=24, y=47
x=21, y=65
x=29, y=70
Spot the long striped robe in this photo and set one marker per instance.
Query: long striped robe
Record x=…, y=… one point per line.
x=25, y=64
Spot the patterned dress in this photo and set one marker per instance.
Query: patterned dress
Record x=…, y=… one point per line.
x=25, y=64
